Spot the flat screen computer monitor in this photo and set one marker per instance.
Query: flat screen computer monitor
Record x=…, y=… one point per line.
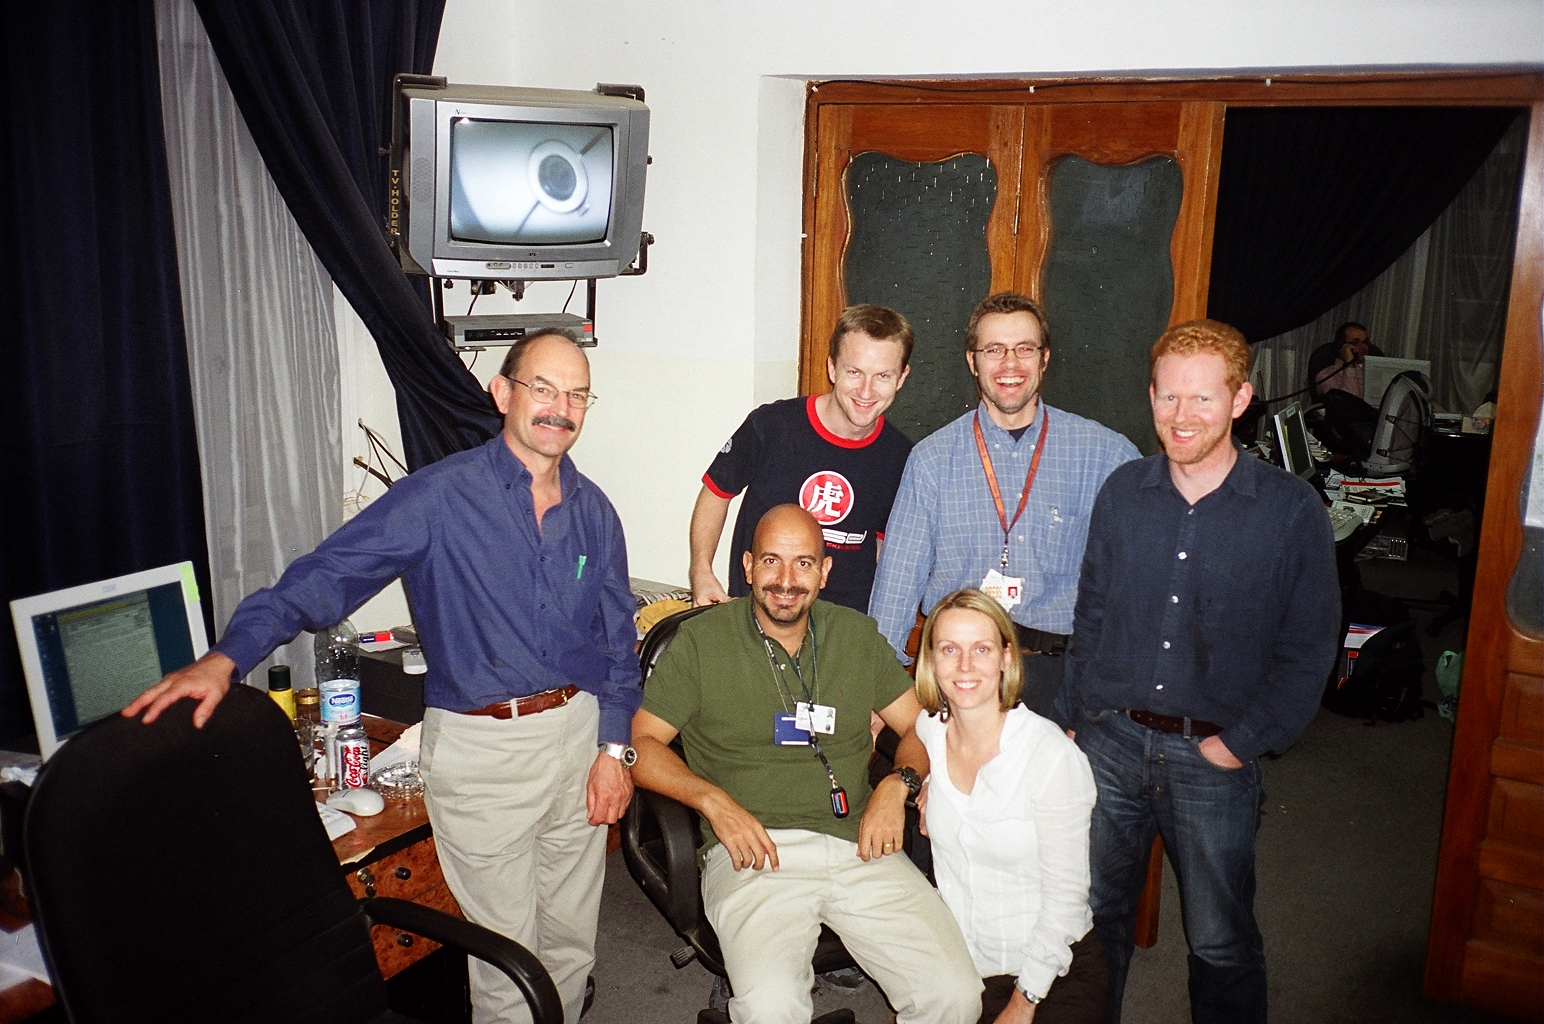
x=1379, y=371
x=1292, y=437
x=87, y=651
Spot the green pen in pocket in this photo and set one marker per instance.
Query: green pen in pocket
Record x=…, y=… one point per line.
x=579, y=572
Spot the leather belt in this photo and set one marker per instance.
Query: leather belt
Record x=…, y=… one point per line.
x=522, y=706
x=1038, y=641
x=1179, y=726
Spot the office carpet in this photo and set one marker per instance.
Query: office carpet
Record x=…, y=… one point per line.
x=1347, y=854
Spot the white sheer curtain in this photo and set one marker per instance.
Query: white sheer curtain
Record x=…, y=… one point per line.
x=1444, y=299
x=257, y=308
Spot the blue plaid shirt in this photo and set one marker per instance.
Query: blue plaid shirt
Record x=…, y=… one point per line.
x=944, y=532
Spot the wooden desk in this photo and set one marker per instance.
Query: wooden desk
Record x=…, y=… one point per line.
x=392, y=854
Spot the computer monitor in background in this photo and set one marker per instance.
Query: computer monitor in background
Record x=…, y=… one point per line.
x=1380, y=370
x=1292, y=438
x=87, y=651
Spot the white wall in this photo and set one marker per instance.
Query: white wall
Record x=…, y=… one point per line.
x=712, y=329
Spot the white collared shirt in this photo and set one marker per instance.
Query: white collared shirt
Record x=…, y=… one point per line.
x=1011, y=857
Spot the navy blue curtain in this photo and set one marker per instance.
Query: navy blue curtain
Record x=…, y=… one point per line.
x=313, y=81
x=98, y=455
x=1315, y=202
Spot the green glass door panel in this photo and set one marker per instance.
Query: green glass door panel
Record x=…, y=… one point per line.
x=918, y=245
x=1109, y=287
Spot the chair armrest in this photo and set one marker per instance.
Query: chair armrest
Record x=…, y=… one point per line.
x=678, y=832
x=519, y=963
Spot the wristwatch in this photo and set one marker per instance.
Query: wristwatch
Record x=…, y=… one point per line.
x=621, y=751
x=913, y=781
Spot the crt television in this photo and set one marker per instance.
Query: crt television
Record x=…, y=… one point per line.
x=87, y=651
x=500, y=183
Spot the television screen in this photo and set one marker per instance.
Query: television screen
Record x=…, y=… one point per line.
x=529, y=183
x=512, y=184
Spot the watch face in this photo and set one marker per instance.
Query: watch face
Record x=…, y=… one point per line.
x=629, y=756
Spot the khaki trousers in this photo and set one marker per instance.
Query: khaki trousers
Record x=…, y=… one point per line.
x=894, y=924
x=507, y=803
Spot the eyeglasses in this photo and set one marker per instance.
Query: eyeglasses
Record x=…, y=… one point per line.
x=545, y=394
x=997, y=353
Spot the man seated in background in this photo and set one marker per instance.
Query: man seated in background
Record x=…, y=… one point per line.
x=771, y=697
x=1351, y=347
x=833, y=455
x=1338, y=369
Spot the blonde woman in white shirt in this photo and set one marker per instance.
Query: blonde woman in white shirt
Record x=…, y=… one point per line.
x=1007, y=810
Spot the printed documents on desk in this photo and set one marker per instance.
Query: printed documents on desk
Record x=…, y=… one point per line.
x=20, y=957
x=1365, y=488
x=336, y=822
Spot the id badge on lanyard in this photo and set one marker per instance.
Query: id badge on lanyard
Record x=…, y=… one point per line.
x=1008, y=590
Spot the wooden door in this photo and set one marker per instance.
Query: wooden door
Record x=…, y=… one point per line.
x=1487, y=922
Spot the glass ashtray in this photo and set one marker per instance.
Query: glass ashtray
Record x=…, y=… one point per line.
x=399, y=782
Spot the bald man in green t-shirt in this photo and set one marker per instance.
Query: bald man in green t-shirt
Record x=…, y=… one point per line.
x=771, y=696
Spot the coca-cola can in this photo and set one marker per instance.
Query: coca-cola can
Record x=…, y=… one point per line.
x=353, y=762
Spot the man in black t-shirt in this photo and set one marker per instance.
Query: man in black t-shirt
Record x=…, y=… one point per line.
x=833, y=454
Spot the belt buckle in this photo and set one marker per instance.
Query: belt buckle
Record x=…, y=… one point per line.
x=562, y=693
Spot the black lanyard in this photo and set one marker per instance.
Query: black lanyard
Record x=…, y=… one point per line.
x=839, y=806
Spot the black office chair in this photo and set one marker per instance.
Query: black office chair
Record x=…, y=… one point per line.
x=659, y=844
x=182, y=874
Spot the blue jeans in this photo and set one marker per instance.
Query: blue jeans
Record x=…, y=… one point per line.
x=1158, y=783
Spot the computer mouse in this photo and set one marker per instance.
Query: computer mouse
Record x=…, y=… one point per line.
x=358, y=802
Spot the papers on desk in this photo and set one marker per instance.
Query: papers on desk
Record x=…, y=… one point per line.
x=336, y=822
x=405, y=749
x=16, y=773
x=1356, y=488
x=1358, y=634
x=20, y=957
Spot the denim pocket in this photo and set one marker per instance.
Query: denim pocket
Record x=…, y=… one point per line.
x=1195, y=744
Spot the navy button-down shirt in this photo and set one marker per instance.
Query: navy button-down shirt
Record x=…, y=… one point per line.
x=1227, y=610
x=503, y=608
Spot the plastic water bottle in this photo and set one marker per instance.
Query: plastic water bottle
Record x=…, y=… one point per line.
x=337, y=677
x=337, y=653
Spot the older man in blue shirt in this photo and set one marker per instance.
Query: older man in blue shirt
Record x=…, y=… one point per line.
x=517, y=571
x=999, y=499
x=1207, y=620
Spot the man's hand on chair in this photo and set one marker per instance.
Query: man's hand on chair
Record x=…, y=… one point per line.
x=207, y=681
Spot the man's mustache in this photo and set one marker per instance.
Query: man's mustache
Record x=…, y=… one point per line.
x=788, y=591
x=552, y=419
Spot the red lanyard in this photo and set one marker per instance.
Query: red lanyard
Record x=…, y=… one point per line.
x=1029, y=481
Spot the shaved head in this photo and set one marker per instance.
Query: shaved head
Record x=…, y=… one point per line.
x=790, y=522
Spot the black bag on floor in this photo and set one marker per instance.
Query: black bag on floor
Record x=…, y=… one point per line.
x=1383, y=681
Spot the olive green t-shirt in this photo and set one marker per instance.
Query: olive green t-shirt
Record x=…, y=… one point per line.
x=716, y=684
